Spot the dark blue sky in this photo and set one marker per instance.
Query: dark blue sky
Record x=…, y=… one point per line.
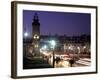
x=58, y=22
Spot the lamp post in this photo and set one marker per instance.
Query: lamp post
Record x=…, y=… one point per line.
x=78, y=52
x=25, y=35
x=53, y=43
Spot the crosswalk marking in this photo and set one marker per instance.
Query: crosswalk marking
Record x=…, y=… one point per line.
x=84, y=61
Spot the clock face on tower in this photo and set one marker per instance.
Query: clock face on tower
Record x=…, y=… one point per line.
x=36, y=36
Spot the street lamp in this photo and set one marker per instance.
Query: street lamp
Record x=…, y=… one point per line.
x=25, y=34
x=78, y=51
x=44, y=47
x=53, y=44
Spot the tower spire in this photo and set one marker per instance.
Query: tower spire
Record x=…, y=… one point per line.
x=35, y=16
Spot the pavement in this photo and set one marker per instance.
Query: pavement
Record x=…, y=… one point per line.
x=35, y=63
x=80, y=63
x=83, y=62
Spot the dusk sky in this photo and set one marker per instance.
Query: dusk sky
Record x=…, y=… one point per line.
x=58, y=23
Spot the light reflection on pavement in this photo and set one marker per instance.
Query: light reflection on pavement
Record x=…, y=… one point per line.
x=62, y=63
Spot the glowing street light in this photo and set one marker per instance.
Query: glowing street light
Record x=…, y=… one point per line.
x=53, y=43
x=44, y=47
x=84, y=47
x=78, y=51
x=70, y=48
x=25, y=34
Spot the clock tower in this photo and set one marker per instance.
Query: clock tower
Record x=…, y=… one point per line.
x=36, y=32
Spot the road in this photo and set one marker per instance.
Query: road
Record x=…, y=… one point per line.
x=79, y=63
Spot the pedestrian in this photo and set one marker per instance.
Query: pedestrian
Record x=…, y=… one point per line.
x=71, y=61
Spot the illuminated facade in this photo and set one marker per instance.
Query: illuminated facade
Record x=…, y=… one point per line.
x=36, y=33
